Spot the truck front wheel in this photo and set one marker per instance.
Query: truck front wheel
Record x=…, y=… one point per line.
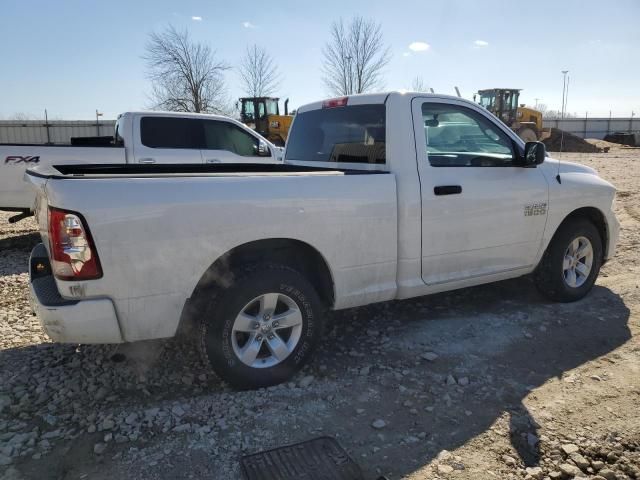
x=262, y=329
x=571, y=264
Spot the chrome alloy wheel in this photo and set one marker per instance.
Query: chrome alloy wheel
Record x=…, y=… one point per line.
x=266, y=330
x=578, y=260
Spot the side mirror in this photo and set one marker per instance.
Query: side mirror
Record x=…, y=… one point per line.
x=534, y=153
x=263, y=149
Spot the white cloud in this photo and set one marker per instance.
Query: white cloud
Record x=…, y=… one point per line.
x=248, y=25
x=419, y=47
x=406, y=54
x=196, y=18
x=481, y=43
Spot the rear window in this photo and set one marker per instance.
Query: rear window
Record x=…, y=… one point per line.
x=352, y=134
x=168, y=132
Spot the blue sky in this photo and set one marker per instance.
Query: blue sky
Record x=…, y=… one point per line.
x=73, y=56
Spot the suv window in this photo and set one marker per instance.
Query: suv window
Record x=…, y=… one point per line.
x=226, y=136
x=170, y=132
x=352, y=134
x=457, y=136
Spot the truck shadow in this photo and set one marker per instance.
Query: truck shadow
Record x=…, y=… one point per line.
x=504, y=339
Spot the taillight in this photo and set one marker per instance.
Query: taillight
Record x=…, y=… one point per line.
x=335, y=102
x=73, y=254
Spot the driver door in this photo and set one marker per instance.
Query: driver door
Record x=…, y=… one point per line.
x=481, y=214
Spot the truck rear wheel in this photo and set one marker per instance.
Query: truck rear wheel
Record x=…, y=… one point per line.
x=262, y=329
x=571, y=263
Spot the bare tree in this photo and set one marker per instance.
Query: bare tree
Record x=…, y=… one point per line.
x=557, y=114
x=258, y=72
x=355, y=57
x=419, y=85
x=21, y=116
x=185, y=75
x=541, y=107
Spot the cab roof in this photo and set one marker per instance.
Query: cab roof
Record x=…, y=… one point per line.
x=377, y=98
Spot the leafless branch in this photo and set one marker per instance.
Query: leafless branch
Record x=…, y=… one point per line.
x=354, y=57
x=419, y=85
x=185, y=75
x=258, y=72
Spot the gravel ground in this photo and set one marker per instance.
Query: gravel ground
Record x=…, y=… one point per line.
x=489, y=382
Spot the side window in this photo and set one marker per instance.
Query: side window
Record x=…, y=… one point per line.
x=226, y=136
x=457, y=136
x=170, y=132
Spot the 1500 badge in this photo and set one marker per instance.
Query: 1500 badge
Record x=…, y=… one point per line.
x=535, y=209
x=16, y=159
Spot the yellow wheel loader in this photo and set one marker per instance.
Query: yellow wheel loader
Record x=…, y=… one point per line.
x=503, y=103
x=263, y=115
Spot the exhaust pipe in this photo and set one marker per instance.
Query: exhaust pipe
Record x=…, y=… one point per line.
x=286, y=107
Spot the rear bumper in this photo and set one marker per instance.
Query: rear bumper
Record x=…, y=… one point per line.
x=69, y=321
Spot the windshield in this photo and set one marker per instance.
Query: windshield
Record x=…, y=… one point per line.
x=487, y=100
x=272, y=107
x=353, y=134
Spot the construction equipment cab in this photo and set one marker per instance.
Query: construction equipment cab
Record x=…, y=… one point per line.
x=263, y=115
x=503, y=103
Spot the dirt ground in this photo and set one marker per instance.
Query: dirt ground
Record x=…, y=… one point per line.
x=492, y=382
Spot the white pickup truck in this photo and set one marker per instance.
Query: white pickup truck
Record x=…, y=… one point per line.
x=380, y=197
x=140, y=137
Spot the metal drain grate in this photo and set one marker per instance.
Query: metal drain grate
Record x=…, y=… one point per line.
x=318, y=459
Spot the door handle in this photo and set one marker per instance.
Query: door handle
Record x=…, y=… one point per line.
x=147, y=160
x=447, y=189
x=213, y=160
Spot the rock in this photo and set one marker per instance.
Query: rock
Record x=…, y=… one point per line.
x=450, y=380
x=555, y=475
x=185, y=427
x=534, y=472
x=597, y=465
x=131, y=419
x=608, y=474
x=532, y=440
x=101, y=393
x=509, y=460
x=359, y=411
x=378, y=424
x=306, y=381
x=580, y=461
x=99, y=448
x=444, y=469
x=570, y=470
x=177, y=410
x=570, y=448
x=429, y=356
x=444, y=455
x=365, y=371
x=4, y=460
x=91, y=428
x=464, y=381
x=108, y=424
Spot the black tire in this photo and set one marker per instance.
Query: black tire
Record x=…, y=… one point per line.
x=217, y=320
x=549, y=276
